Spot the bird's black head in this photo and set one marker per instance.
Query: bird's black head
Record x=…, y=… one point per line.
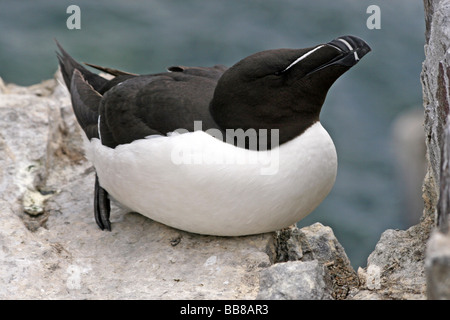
x=283, y=89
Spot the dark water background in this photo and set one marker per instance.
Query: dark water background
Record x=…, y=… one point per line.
x=148, y=36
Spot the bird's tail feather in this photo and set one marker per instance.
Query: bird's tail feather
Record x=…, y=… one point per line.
x=85, y=104
x=69, y=64
x=83, y=86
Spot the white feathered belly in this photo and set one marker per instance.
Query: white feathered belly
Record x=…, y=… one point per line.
x=197, y=183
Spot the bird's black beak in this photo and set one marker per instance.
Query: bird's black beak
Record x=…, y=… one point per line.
x=350, y=50
x=352, y=47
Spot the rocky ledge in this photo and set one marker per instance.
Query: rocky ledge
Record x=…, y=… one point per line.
x=51, y=247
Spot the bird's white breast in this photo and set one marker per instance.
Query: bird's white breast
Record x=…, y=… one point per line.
x=197, y=183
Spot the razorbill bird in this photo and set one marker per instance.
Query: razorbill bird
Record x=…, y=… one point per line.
x=161, y=145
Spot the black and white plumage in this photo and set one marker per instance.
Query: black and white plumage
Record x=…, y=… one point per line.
x=193, y=180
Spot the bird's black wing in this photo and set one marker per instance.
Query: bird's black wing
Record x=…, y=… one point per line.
x=158, y=104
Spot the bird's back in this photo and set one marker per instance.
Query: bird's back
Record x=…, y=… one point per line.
x=130, y=106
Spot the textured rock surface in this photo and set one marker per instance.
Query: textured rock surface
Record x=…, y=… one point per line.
x=437, y=266
x=436, y=93
x=435, y=96
x=294, y=280
x=315, y=243
x=395, y=269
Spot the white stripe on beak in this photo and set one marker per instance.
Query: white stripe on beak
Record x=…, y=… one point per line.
x=349, y=47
